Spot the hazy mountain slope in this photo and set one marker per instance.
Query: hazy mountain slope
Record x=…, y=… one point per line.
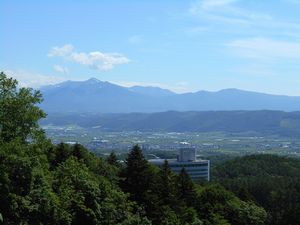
x=93, y=96
x=104, y=97
x=271, y=122
x=152, y=91
x=233, y=99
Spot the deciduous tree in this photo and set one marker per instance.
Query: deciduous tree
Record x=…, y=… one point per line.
x=19, y=113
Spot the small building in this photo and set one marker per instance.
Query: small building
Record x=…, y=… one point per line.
x=186, y=158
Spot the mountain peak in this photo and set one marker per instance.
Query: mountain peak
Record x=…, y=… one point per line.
x=94, y=95
x=231, y=90
x=93, y=80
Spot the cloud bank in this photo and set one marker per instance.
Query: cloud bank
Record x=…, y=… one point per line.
x=33, y=79
x=95, y=60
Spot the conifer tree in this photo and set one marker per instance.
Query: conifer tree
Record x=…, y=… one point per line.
x=136, y=178
x=112, y=159
x=78, y=151
x=167, y=185
x=185, y=188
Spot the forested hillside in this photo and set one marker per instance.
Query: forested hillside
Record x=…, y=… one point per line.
x=42, y=183
x=270, y=181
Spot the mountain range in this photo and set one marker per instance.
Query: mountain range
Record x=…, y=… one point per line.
x=95, y=96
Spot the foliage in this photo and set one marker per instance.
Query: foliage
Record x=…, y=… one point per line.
x=45, y=184
x=19, y=114
x=225, y=206
x=268, y=180
x=185, y=188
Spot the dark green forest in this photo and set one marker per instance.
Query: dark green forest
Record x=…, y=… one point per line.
x=270, y=181
x=43, y=183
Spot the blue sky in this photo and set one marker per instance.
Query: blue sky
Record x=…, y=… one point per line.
x=180, y=45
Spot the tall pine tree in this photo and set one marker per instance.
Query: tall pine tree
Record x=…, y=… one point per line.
x=112, y=159
x=136, y=179
x=167, y=185
x=185, y=188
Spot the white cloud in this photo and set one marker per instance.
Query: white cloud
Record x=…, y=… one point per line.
x=34, y=80
x=227, y=11
x=61, y=69
x=94, y=60
x=61, y=51
x=263, y=48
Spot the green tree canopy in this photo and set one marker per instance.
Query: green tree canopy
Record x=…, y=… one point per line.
x=185, y=188
x=19, y=113
x=167, y=185
x=112, y=159
x=136, y=181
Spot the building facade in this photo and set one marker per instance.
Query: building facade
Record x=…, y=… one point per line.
x=197, y=169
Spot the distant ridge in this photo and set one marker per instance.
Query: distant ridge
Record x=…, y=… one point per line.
x=152, y=91
x=97, y=96
x=262, y=122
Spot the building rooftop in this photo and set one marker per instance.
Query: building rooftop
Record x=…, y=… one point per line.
x=170, y=161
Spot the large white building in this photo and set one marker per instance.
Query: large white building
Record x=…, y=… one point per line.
x=197, y=169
